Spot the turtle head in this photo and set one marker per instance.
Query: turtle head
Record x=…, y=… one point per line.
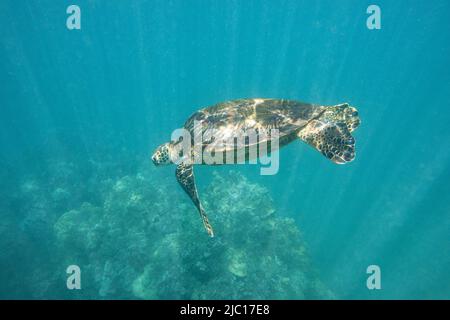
x=162, y=155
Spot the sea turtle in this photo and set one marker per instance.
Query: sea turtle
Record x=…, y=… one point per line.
x=326, y=128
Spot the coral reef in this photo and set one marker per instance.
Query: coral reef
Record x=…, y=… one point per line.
x=135, y=234
x=31, y=202
x=143, y=239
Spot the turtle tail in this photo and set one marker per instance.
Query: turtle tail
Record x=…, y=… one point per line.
x=330, y=133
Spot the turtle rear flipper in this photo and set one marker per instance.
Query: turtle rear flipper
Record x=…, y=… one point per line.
x=185, y=177
x=342, y=113
x=333, y=140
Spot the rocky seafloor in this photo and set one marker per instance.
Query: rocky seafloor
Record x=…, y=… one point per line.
x=136, y=235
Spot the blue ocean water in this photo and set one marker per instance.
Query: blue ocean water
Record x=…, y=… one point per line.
x=83, y=110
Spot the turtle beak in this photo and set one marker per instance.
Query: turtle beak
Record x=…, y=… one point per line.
x=154, y=160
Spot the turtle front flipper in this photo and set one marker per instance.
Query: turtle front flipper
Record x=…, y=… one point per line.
x=185, y=176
